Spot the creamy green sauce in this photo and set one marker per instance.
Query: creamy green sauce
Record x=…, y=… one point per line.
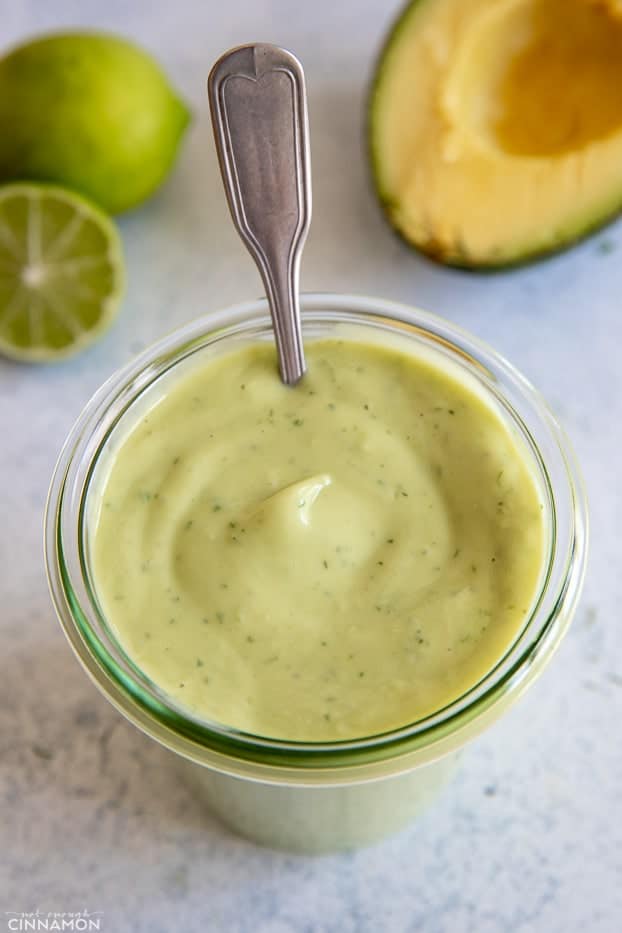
x=324, y=562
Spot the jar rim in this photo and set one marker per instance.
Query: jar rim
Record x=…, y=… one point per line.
x=235, y=751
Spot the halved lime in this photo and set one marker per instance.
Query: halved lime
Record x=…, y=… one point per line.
x=61, y=272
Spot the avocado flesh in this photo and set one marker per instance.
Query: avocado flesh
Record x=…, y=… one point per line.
x=496, y=128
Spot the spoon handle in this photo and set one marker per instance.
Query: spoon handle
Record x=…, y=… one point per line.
x=259, y=113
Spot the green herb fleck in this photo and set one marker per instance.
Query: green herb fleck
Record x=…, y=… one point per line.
x=605, y=247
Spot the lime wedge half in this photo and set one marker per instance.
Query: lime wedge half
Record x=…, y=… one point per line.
x=61, y=272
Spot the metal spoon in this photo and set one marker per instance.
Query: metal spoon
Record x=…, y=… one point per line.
x=259, y=114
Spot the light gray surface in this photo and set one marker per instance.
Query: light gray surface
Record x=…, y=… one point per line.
x=529, y=837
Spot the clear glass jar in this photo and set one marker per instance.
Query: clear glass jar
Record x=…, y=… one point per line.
x=309, y=796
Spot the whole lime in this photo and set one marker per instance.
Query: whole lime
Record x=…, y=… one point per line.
x=90, y=111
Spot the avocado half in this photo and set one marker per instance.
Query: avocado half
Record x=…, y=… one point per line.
x=495, y=126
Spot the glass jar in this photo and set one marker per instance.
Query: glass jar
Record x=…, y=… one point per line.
x=318, y=796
